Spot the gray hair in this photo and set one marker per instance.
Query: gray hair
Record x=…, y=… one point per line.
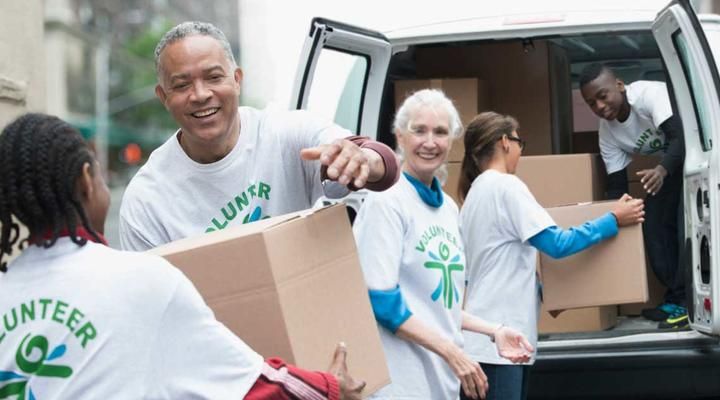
x=432, y=98
x=191, y=28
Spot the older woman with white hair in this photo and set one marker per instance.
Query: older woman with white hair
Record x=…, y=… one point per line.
x=414, y=265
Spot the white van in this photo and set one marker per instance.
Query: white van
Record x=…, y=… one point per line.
x=672, y=45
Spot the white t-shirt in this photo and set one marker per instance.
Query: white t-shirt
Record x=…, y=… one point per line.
x=173, y=197
x=114, y=325
x=640, y=133
x=401, y=240
x=497, y=219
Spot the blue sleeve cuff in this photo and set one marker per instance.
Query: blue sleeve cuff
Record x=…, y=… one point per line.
x=389, y=308
x=558, y=243
x=607, y=225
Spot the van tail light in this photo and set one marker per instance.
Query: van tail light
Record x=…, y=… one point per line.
x=707, y=305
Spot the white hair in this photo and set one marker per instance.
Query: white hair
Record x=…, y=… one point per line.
x=434, y=99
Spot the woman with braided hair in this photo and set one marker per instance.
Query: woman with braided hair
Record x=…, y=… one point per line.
x=81, y=320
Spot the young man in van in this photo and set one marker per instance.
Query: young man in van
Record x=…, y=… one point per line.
x=637, y=119
x=229, y=165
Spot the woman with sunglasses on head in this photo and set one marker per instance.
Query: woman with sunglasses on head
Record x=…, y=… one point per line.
x=413, y=261
x=503, y=227
x=81, y=320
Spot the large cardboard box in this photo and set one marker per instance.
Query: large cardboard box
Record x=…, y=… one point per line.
x=609, y=273
x=580, y=320
x=289, y=286
x=556, y=180
x=470, y=96
x=656, y=294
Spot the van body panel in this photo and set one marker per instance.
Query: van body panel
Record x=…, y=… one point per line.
x=328, y=37
x=696, y=85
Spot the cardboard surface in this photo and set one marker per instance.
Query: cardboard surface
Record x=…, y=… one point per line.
x=563, y=179
x=519, y=85
x=609, y=273
x=635, y=189
x=640, y=162
x=584, y=120
x=451, y=184
x=580, y=320
x=470, y=96
x=656, y=293
x=289, y=286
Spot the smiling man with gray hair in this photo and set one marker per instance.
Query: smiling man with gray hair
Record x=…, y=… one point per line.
x=229, y=165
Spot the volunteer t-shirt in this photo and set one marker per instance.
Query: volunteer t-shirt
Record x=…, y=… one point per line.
x=95, y=323
x=640, y=133
x=402, y=241
x=497, y=219
x=173, y=197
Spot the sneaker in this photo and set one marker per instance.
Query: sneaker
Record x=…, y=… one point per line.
x=659, y=313
x=675, y=322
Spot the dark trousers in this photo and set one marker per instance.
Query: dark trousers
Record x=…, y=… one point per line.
x=663, y=230
x=506, y=382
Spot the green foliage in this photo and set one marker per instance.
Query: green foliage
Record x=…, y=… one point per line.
x=132, y=71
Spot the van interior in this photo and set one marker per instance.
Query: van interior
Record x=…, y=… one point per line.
x=536, y=81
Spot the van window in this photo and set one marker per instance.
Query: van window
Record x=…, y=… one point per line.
x=697, y=89
x=337, y=87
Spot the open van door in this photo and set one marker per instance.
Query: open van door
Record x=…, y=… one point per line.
x=341, y=75
x=696, y=85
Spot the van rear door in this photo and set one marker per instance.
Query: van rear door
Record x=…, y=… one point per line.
x=696, y=84
x=341, y=74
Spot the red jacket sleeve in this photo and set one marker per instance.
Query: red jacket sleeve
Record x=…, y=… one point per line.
x=281, y=381
x=392, y=168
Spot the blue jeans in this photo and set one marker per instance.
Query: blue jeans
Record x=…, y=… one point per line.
x=506, y=382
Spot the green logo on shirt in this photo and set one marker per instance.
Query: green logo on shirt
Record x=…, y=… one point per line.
x=32, y=359
x=653, y=139
x=33, y=355
x=446, y=287
x=240, y=203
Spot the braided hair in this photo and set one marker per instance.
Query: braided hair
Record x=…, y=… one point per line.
x=42, y=158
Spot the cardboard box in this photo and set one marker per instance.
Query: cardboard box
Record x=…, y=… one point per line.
x=563, y=179
x=584, y=120
x=640, y=162
x=519, y=85
x=289, y=286
x=453, y=179
x=470, y=96
x=656, y=292
x=581, y=320
x=635, y=189
x=609, y=273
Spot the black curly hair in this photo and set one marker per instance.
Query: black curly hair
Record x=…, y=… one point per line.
x=591, y=72
x=42, y=158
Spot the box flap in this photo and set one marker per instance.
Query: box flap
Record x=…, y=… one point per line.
x=289, y=244
x=314, y=260
x=230, y=233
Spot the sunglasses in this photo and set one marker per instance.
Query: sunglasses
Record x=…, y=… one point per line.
x=520, y=142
